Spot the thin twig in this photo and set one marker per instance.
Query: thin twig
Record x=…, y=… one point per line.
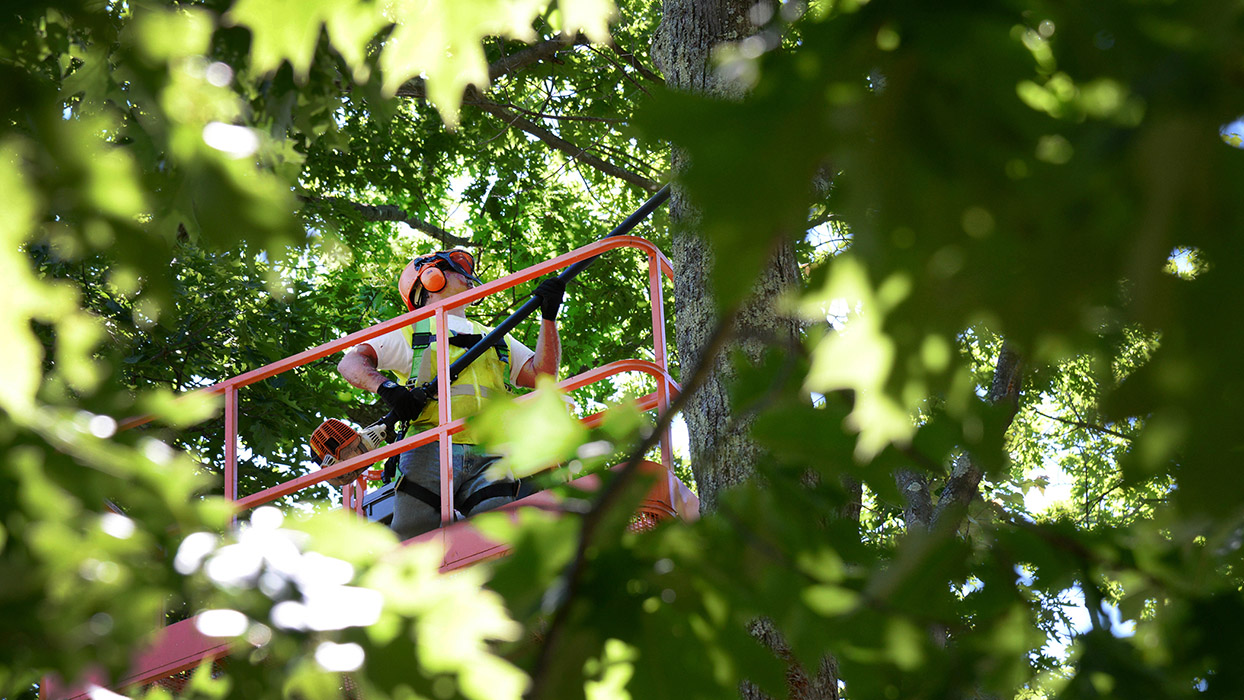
x=609, y=497
x=617, y=65
x=586, y=185
x=478, y=101
x=822, y=219
x=623, y=155
x=1102, y=496
x=638, y=65
x=390, y=212
x=1083, y=424
x=570, y=149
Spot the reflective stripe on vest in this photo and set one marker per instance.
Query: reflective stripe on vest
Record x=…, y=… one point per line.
x=471, y=390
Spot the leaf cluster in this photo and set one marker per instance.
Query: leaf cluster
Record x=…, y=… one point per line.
x=1020, y=170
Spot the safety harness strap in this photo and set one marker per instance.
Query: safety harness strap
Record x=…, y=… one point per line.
x=499, y=489
x=422, y=338
x=410, y=488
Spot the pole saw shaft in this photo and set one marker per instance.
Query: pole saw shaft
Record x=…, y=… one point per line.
x=529, y=306
x=566, y=275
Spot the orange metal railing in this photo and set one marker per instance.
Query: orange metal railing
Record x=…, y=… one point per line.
x=181, y=647
x=659, y=400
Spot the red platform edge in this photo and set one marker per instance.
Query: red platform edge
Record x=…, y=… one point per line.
x=181, y=647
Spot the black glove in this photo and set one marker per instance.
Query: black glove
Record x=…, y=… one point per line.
x=550, y=293
x=406, y=403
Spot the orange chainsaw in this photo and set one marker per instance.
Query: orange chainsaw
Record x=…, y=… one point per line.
x=335, y=441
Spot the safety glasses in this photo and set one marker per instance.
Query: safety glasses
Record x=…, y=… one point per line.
x=464, y=260
x=456, y=260
x=431, y=268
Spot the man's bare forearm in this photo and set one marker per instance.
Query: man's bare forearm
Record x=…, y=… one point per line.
x=548, y=357
x=359, y=368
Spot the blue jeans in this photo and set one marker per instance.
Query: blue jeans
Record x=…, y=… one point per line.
x=421, y=465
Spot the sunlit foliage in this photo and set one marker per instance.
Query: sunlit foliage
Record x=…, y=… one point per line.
x=195, y=189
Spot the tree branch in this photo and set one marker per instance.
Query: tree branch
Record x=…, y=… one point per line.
x=534, y=54
x=1085, y=425
x=855, y=501
x=621, y=155
x=474, y=99
x=631, y=79
x=1102, y=496
x=824, y=218
x=965, y=475
x=557, y=142
x=391, y=212
x=635, y=63
x=917, y=500
x=1006, y=379
x=965, y=478
x=417, y=88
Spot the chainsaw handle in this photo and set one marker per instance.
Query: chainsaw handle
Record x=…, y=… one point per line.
x=428, y=389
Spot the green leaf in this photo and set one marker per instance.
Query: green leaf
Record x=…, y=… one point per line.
x=282, y=30
x=164, y=34
x=533, y=434
x=860, y=357
x=28, y=298
x=442, y=42
x=183, y=410
x=592, y=17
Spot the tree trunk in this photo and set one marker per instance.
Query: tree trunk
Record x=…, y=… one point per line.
x=722, y=451
x=722, y=454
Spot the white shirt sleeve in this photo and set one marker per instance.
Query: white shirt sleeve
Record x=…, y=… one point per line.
x=519, y=354
x=393, y=352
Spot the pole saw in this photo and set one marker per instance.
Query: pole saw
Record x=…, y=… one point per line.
x=336, y=441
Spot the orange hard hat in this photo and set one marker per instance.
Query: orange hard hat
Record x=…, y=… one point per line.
x=428, y=272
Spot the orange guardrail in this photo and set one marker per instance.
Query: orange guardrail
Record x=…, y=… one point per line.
x=658, y=265
x=181, y=647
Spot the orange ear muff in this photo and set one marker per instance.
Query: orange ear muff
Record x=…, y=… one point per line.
x=432, y=279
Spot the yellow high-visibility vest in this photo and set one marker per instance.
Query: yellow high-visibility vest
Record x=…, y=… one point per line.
x=482, y=379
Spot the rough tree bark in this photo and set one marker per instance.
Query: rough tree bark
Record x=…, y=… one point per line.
x=722, y=452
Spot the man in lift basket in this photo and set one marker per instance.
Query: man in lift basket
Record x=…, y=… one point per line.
x=410, y=354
